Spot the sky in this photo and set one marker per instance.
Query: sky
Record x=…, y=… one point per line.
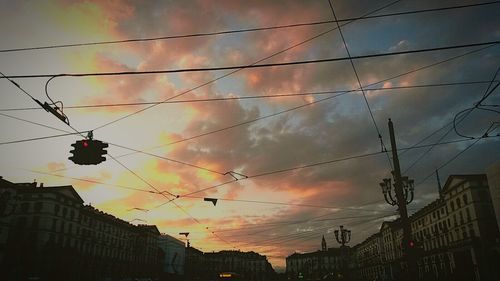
x=285, y=170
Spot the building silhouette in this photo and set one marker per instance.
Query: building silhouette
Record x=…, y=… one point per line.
x=454, y=238
x=46, y=232
x=250, y=266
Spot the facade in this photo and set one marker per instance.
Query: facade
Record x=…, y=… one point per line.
x=454, y=237
x=493, y=173
x=47, y=232
x=317, y=265
x=369, y=258
x=174, y=253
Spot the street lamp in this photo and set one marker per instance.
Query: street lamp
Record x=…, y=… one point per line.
x=388, y=188
x=343, y=236
x=403, y=189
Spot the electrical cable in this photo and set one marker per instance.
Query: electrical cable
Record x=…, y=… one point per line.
x=224, y=99
x=35, y=123
x=320, y=100
x=236, y=70
x=141, y=178
x=486, y=94
x=383, y=148
x=42, y=138
x=254, y=65
x=170, y=199
x=215, y=33
x=307, y=166
x=284, y=204
x=92, y=181
x=167, y=159
x=53, y=111
x=451, y=159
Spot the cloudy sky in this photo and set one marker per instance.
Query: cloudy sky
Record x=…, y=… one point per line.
x=225, y=134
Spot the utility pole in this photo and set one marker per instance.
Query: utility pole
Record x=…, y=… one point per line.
x=403, y=189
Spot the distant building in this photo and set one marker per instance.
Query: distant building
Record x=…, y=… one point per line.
x=250, y=266
x=47, y=232
x=454, y=237
x=323, y=264
x=368, y=258
x=194, y=268
x=174, y=252
x=493, y=173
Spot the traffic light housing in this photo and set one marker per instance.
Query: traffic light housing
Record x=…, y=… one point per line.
x=88, y=152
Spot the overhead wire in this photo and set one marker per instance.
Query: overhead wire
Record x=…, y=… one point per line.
x=270, y=96
x=303, y=167
x=454, y=122
x=3, y=76
x=226, y=32
x=383, y=148
x=237, y=68
x=320, y=100
x=42, y=138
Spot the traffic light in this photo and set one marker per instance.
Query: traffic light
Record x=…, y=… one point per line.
x=88, y=152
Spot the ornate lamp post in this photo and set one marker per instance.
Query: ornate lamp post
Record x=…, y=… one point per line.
x=343, y=236
x=403, y=194
x=388, y=189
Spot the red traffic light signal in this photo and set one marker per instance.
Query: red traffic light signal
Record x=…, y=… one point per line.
x=88, y=152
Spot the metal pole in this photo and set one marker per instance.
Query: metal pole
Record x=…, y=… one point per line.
x=403, y=212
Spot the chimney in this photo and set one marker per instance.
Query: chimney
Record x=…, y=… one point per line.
x=41, y=184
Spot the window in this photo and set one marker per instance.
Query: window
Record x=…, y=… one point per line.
x=24, y=207
x=38, y=206
x=465, y=199
x=34, y=221
x=471, y=231
x=452, y=204
x=56, y=209
x=458, y=203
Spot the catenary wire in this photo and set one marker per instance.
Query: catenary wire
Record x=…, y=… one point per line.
x=239, y=69
x=461, y=118
x=255, y=65
x=224, y=99
x=215, y=33
x=324, y=99
x=360, y=86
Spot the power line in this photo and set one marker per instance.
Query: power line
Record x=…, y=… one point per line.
x=34, y=123
x=168, y=159
x=485, y=95
x=236, y=70
x=383, y=148
x=236, y=125
x=121, y=146
x=59, y=114
x=93, y=181
x=285, y=204
x=451, y=159
x=313, y=165
x=42, y=138
x=170, y=199
x=321, y=100
x=226, y=32
x=255, y=65
x=224, y=99
x=142, y=179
